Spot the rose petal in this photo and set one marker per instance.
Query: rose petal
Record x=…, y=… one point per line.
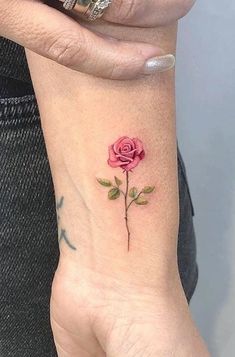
x=132, y=164
x=112, y=155
x=115, y=163
x=125, y=141
x=138, y=145
x=126, y=148
x=117, y=143
x=130, y=154
x=124, y=158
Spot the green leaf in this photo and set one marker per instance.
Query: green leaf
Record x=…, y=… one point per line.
x=114, y=193
x=133, y=192
x=118, y=181
x=104, y=182
x=141, y=201
x=148, y=189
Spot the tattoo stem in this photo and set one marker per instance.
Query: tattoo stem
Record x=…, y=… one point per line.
x=136, y=198
x=126, y=209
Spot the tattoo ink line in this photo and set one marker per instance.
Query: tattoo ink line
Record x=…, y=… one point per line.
x=63, y=235
x=60, y=203
x=62, y=232
x=126, y=211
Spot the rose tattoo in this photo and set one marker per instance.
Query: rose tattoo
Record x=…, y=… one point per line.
x=126, y=153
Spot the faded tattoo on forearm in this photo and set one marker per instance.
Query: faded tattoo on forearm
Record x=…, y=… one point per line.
x=126, y=153
x=62, y=234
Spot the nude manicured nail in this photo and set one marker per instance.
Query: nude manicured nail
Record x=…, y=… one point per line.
x=159, y=64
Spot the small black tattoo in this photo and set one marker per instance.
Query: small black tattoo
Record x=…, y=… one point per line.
x=60, y=203
x=62, y=232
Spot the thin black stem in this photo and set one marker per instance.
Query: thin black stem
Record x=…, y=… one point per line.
x=134, y=199
x=126, y=209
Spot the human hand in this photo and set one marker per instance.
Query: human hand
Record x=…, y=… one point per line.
x=94, y=315
x=151, y=13
x=54, y=35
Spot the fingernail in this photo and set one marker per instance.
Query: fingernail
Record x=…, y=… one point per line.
x=159, y=64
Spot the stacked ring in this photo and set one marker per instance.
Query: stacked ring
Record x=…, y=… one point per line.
x=92, y=9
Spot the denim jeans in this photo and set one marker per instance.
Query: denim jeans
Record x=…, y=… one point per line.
x=28, y=245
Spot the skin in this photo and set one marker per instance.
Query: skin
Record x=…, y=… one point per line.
x=156, y=12
x=106, y=300
x=55, y=35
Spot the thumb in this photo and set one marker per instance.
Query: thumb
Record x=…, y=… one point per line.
x=54, y=35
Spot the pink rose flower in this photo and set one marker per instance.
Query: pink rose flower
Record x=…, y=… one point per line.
x=126, y=153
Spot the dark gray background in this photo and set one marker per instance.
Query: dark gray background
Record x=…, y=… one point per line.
x=206, y=131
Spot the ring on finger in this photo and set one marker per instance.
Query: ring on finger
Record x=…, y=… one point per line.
x=91, y=9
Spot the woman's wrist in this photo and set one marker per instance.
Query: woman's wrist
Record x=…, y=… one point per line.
x=93, y=238
x=86, y=116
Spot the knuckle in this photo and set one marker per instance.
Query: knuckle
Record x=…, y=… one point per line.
x=126, y=9
x=66, y=50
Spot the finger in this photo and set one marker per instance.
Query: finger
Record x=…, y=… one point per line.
x=52, y=34
x=149, y=13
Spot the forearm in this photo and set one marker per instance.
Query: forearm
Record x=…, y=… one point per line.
x=81, y=117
